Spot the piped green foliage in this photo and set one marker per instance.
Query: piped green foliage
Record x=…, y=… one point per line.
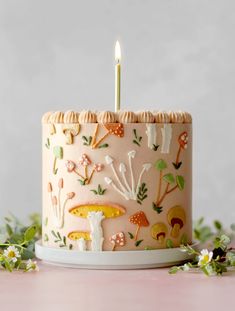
x=99, y=190
x=137, y=139
x=142, y=193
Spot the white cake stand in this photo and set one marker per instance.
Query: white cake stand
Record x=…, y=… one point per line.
x=111, y=260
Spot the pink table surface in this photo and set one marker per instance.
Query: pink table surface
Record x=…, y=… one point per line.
x=57, y=288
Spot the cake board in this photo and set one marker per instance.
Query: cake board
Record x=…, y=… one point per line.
x=123, y=260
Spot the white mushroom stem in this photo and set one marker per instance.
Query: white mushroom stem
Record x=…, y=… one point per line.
x=81, y=243
x=97, y=239
x=166, y=138
x=145, y=168
x=110, y=182
x=131, y=155
x=122, y=169
x=109, y=161
x=151, y=134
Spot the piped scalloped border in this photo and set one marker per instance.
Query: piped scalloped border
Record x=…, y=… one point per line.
x=87, y=116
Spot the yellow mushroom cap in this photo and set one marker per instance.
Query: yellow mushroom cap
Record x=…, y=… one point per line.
x=176, y=215
x=76, y=235
x=108, y=210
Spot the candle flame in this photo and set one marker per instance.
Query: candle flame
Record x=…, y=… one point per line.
x=117, y=52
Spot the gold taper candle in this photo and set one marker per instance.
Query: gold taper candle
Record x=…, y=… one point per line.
x=117, y=76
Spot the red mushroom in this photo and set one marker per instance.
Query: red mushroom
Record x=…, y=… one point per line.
x=116, y=129
x=183, y=144
x=118, y=239
x=140, y=220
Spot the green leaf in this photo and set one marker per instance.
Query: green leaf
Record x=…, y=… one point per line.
x=232, y=227
x=9, y=229
x=180, y=182
x=174, y=270
x=59, y=236
x=137, y=243
x=27, y=254
x=58, y=152
x=169, y=178
x=30, y=233
x=46, y=237
x=218, y=225
x=94, y=191
x=84, y=138
x=160, y=165
x=169, y=243
x=82, y=181
x=54, y=234
x=155, y=147
x=135, y=133
x=131, y=235
x=46, y=221
x=136, y=142
x=156, y=208
x=103, y=146
x=8, y=266
x=184, y=239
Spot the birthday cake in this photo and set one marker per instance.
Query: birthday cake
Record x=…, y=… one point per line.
x=117, y=181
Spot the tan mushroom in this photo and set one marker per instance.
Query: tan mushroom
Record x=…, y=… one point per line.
x=81, y=237
x=116, y=129
x=95, y=213
x=176, y=218
x=140, y=220
x=70, y=130
x=159, y=232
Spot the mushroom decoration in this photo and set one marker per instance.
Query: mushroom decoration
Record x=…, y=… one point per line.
x=183, y=144
x=95, y=213
x=58, y=154
x=70, y=130
x=58, y=207
x=159, y=231
x=128, y=191
x=176, y=218
x=85, y=162
x=116, y=129
x=81, y=237
x=118, y=239
x=140, y=220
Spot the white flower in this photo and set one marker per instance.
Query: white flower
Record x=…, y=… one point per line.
x=205, y=257
x=31, y=266
x=186, y=267
x=11, y=253
x=210, y=270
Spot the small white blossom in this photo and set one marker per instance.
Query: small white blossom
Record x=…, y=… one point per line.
x=205, y=257
x=186, y=267
x=11, y=253
x=31, y=266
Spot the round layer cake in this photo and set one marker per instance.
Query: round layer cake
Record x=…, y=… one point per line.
x=117, y=181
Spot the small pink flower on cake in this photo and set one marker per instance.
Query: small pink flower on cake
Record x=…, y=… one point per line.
x=85, y=162
x=70, y=165
x=11, y=254
x=183, y=145
x=98, y=167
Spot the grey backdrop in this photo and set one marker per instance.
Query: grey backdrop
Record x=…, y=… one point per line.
x=176, y=55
